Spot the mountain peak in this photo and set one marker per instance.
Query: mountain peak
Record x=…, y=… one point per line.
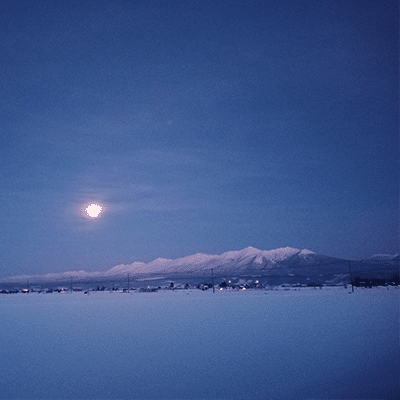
x=248, y=251
x=159, y=260
x=306, y=252
x=250, y=248
x=280, y=254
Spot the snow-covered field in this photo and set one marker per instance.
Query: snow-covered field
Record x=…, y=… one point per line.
x=193, y=344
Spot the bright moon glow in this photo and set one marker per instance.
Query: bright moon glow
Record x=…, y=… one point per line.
x=93, y=210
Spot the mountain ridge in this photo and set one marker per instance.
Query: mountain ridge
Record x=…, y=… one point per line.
x=250, y=261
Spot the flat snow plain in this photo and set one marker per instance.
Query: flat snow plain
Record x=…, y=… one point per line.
x=321, y=344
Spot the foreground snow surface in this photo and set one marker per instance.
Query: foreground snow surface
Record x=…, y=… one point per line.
x=191, y=344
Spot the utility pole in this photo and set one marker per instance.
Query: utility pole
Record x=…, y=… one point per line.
x=386, y=277
x=351, y=277
x=212, y=277
x=128, y=283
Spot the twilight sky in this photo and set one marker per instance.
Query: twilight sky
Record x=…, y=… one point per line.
x=198, y=126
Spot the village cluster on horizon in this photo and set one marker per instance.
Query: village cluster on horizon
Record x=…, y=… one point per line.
x=227, y=285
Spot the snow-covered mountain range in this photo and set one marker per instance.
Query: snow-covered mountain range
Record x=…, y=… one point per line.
x=284, y=263
x=247, y=261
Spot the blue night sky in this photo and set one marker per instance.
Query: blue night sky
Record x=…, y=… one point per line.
x=198, y=126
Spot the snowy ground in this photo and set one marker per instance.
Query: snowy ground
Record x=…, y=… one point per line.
x=193, y=344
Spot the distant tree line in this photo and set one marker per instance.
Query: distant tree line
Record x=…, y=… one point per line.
x=394, y=280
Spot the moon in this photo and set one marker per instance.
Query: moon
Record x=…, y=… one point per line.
x=94, y=210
